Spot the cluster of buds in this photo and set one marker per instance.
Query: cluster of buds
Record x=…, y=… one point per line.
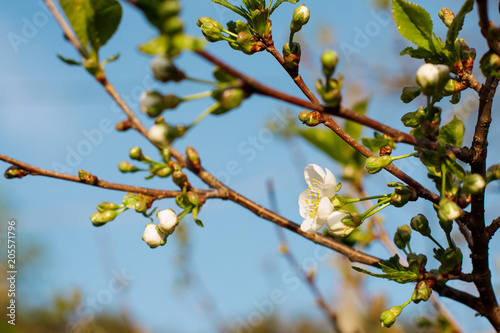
x=450, y=259
x=238, y=34
x=106, y=212
x=153, y=103
x=156, y=235
x=140, y=202
x=161, y=169
x=432, y=78
x=330, y=90
x=87, y=177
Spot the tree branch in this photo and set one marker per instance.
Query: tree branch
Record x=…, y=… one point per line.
x=493, y=227
x=484, y=23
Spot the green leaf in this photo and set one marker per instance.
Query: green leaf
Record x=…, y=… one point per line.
x=77, y=12
x=452, y=133
x=238, y=10
x=111, y=59
x=69, y=61
x=199, y=223
x=354, y=129
x=378, y=142
x=458, y=22
x=414, y=23
x=393, y=275
x=104, y=21
x=418, y=53
x=279, y=2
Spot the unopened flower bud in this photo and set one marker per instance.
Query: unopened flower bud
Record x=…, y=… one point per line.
x=87, y=177
x=167, y=9
x=126, y=167
x=409, y=93
x=300, y=18
x=104, y=206
x=474, y=183
x=168, y=221
x=136, y=153
x=448, y=210
x=400, y=199
x=432, y=78
x=388, y=317
x=331, y=91
x=101, y=218
x=151, y=103
x=179, y=178
x=164, y=70
x=157, y=134
x=447, y=16
x=344, y=224
x=123, y=125
x=194, y=199
x=164, y=172
x=232, y=98
x=422, y=292
x=374, y=164
x=402, y=236
x=153, y=236
x=329, y=60
x=311, y=118
x=193, y=158
x=420, y=224
x=15, y=172
x=211, y=29
x=171, y=101
x=141, y=206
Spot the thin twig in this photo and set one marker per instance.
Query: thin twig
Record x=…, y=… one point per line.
x=493, y=227
x=68, y=32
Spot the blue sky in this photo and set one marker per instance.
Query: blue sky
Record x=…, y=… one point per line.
x=48, y=110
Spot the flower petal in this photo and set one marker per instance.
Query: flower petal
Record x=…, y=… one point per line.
x=330, y=185
x=325, y=208
x=313, y=171
x=309, y=225
x=304, y=207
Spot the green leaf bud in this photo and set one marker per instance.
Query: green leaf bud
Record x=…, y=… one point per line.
x=474, y=183
x=87, y=177
x=164, y=70
x=329, y=61
x=291, y=55
x=101, y=218
x=420, y=224
x=311, y=119
x=422, y=292
x=374, y=164
x=493, y=173
x=15, y=172
x=300, y=18
x=123, y=125
x=126, y=167
x=193, y=158
x=447, y=16
x=409, y=93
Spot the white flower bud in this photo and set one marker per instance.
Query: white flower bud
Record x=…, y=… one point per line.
x=474, y=183
x=168, y=221
x=153, y=237
x=157, y=134
x=432, y=78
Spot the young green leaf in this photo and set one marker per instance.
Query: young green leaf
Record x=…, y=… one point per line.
x=103, y=22
x=404, y=276
x=77, y=12
x=378, y=142
x=418, y=53
x=279, y=2
x=453, y=132
x=238, y=10
x=457, y=24
x=415, y=24
x=69, y=61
